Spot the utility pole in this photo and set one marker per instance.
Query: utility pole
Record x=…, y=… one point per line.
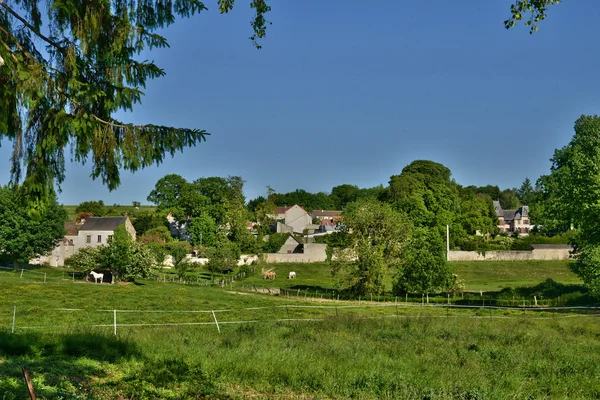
x=447, y=242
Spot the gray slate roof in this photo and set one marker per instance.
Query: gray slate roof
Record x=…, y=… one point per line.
x=102, y=223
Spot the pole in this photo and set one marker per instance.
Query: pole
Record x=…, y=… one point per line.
x=14, y=317
x=216, y=322
x=115, y=321
x=21, y=274
x=447, y=242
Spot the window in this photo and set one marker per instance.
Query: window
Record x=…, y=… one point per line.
x=71, y=242
x=99, y=238
x=88, y=239
x=109, y=239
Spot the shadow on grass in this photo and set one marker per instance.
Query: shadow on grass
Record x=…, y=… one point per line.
x=62, y=361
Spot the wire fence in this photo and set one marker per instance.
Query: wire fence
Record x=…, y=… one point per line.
x=25, y=318
x=237, y=282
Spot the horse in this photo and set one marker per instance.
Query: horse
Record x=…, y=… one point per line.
x=271, y=275
x=97, y=276
x=292, y=275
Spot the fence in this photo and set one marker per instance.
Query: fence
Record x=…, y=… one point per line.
x=32, y=318
x=235, y=282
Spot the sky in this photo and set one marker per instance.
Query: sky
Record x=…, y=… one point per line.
x=350, y=92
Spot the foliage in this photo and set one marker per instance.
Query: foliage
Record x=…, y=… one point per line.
x=275, y=241
x=265, y=212
x=69, y=76
x=477, y=215
x=425, y=269
x=509, y=199
x=24, y=236
x=574, y=190
x=425, y=192
x=95, y=208
x=178, y=250
x=310, y=201
x=85, y=259
x=378, y=237
x=526, y=193
x=125, y=257
x=202, y=230
x=159, y=234
x=223, y=256
x=145, y=221
x=536, y=9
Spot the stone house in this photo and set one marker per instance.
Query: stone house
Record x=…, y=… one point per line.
x=94, y=231
x=513, y=220
x=295, y=219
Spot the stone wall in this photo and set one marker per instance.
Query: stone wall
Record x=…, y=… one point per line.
x=313, y=252
x=511, y=255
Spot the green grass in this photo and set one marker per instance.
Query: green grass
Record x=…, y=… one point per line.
x=496, y=275
x=370, y=351
x=120, y=210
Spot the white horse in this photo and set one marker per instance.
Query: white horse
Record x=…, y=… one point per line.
x=97, y=276
x=292, y=275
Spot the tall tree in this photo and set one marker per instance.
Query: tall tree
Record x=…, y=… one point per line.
x=24, y=237
x=378, y=235
x=526, y=193
x=70, y=71
x=167, y=191
x=424, y=269
x=573, y=188
x=509, y=199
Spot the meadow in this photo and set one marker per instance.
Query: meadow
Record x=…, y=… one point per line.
x=288, y=347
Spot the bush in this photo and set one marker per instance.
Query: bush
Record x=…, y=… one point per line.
x=276, y=240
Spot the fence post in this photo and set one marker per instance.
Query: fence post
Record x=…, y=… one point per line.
x=44, y=277
x=21, y=273
x=73, y=276
x=216, y=322
x=115, y=322
x=14, y=317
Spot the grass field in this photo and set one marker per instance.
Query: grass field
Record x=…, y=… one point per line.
x=118, y=209
x=365, y=351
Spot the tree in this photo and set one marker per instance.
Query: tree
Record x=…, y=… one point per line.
x=126, y=258
x=167, y=191
x=160, y=234
x=202, y=230
x=86, y=259
x=136, y=204
x=509, y=200
x=96, y=208
x=69, y=72
x=536, y=9
x=424, y=269
x=526, y=193
x=573, y=191
x=146, y=221
x=344, y=194
x=378, y=237
x=23, y=236
x=426, y=193
x=223, y=256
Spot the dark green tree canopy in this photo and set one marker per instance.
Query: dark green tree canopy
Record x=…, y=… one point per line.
x=67, y=67
x=23, y=237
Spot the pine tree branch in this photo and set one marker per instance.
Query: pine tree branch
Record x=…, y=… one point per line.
x=31, y=27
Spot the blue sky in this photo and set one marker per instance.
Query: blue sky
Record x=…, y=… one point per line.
x=343, y=92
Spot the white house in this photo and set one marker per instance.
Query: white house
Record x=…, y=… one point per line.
x=295, y=219
x=94, y=231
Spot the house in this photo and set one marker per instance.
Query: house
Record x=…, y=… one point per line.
x=94, y=231
x=513, y=220
x=179, y=229
x=327, y=217
x=295, y=219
